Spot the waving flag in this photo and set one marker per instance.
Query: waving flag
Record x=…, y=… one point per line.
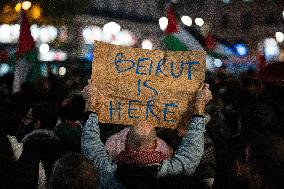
x=26, y=66
x=176, y=37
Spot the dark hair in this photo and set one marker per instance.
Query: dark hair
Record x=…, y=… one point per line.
x=73, y=170
x=139, y=177
x=266, y=160
x=46, y=114
x=74, y=108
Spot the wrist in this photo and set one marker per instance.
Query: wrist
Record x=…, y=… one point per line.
x=199, y=110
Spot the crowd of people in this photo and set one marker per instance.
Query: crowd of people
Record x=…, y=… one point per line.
x=50, y=138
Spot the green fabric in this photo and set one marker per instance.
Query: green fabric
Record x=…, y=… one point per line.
x=174, y=44
x=31, y=57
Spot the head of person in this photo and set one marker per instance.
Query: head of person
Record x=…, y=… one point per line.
x=73, y=107
x=265, y=162
x=45, y=115
x=142, y=137
x=73, y=170
x=139, y=162
x=39, y=116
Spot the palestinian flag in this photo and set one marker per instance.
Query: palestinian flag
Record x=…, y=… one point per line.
x=27, y=65
x=177, y=38
x=216, y=48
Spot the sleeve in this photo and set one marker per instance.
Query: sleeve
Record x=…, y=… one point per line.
x=188, y=155
x=93, y=148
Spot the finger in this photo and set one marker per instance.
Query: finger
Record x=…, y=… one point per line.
x=210, y=96
x=201, y=87
x=83, y=91
x=206, y=86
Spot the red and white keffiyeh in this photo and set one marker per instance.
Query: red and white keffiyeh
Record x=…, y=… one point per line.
x=117, y=143
x=140, y=157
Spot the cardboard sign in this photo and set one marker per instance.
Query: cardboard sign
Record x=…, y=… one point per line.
x=132, y=84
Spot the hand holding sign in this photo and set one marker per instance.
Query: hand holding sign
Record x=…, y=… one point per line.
x=203, y=96
x=134, y=85
x=88, y=93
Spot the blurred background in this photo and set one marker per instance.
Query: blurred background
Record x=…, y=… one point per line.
x=46, y=53
x=240, y=32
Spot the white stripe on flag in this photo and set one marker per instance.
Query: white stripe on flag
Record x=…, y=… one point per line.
x=22, y=68
x=188, y=39
x=223, y=49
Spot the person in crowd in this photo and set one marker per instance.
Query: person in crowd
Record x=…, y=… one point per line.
x=264, y=165
x=69, y=131
x=140, y=166
x=119, y=142
x=7, y=161
x=73, y=170
x=39, y=144
x=51, y=90
x=39, y=116
x=255, y=114
x=204, y=174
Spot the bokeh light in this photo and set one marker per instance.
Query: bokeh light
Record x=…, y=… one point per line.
x=186, y=20
x=279, y=37
x=18, y=7
x=147, y=44
x=44, y=48
x=26, y=5
x=218, y=63
x=62, y=71
x=271, y=49
x=4, y=69
x=199, y=21
x=5, y=30
x=226, y=1
x=163, y=22
x=111, y=28
x=241, y=49
x=36, y=11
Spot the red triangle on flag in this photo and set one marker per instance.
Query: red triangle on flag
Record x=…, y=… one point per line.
x=210, y=42
x=26, y=42
x=172, y=24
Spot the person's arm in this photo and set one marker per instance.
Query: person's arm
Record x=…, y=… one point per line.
x=188, y=155
x=93, y=148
